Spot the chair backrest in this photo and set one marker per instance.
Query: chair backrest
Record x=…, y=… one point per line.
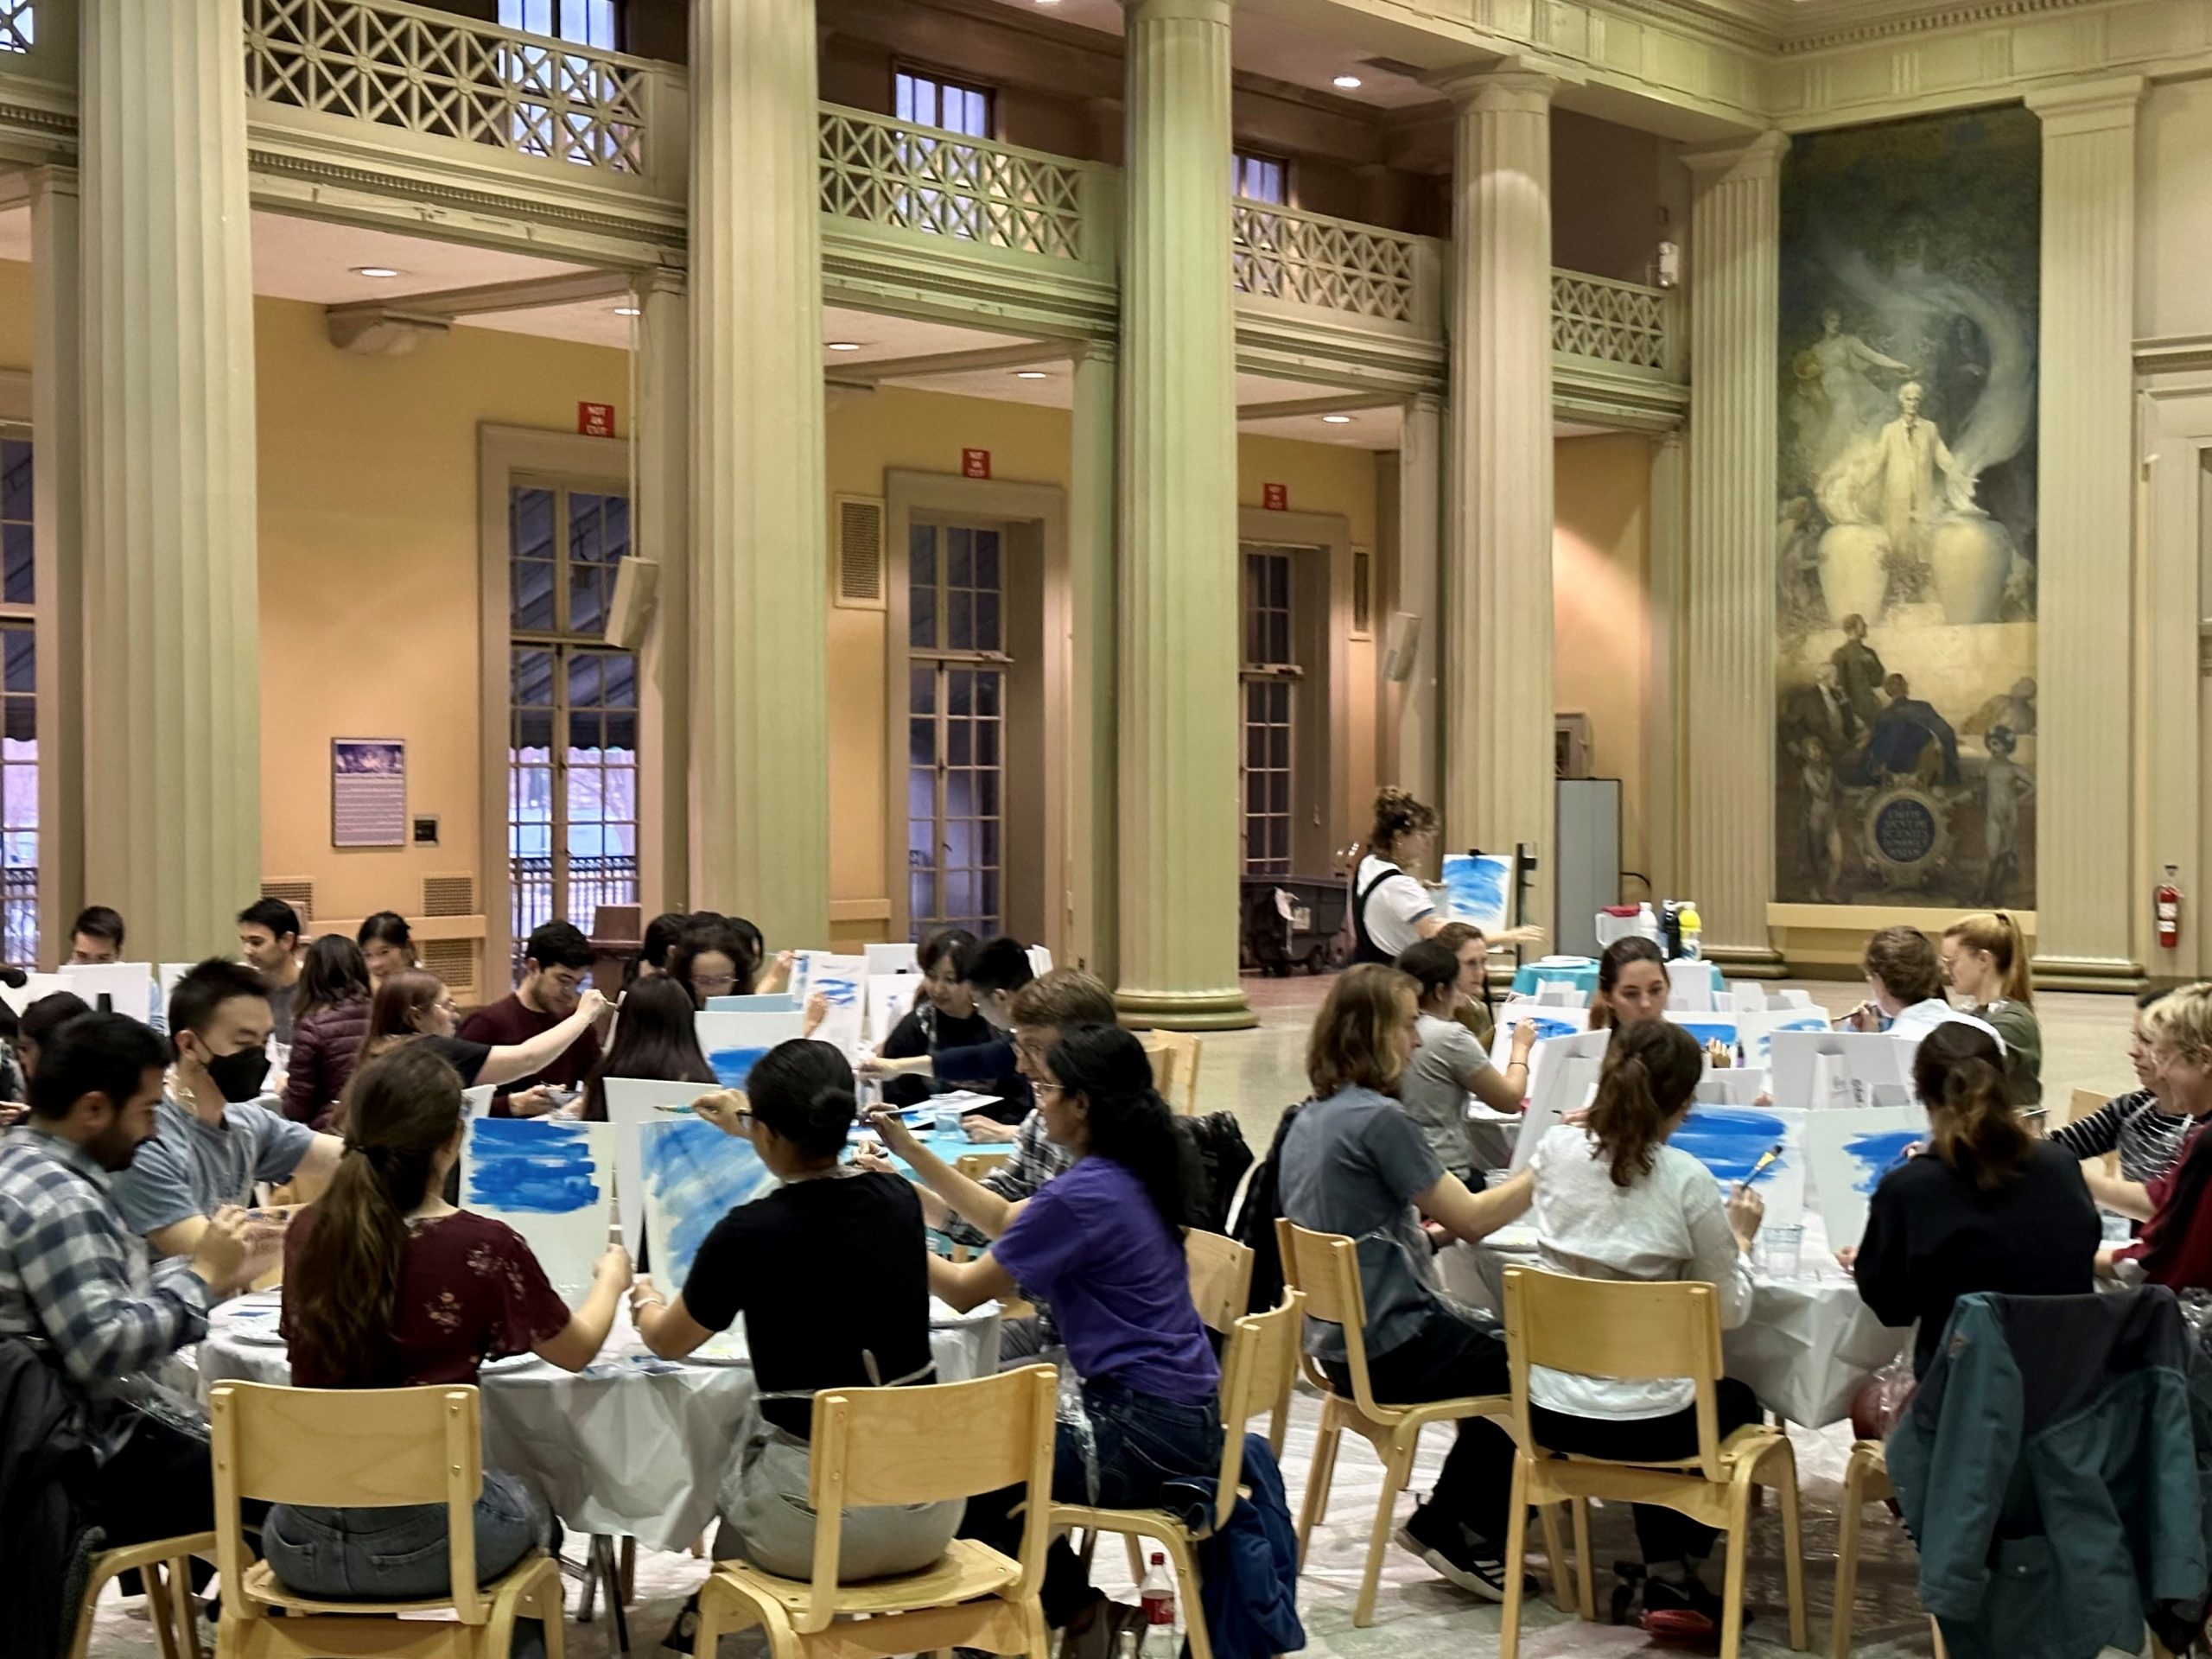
x=1221, y=1278
x=366, y=1448
x=2083, y=1104
x=1630, y=1329
x=1182, y=1094
x=925, y=1444
x=1255, y=1367
x=1325, y=1268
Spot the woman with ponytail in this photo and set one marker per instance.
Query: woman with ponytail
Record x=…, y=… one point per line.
x=1615, y=1200
x=1103, y=1244
x=388, y=1286
x=1984, y=959
x=846, y=1304
x=1390, y=908
x=1984, y=1206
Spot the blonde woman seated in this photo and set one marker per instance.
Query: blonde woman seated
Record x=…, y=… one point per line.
x=1984, y=959
x=1614, y=1200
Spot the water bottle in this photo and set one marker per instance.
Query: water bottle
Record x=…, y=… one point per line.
x=1125, y=1644
x=1156, y=1596
x=1693, y=930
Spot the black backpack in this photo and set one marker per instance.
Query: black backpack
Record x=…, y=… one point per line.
x=1256, y=1222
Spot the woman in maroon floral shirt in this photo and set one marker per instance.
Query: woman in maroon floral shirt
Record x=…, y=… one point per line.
x=386, y=1285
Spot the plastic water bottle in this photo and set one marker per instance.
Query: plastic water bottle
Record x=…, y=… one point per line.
x=1693, y=930
x=1156, y=1595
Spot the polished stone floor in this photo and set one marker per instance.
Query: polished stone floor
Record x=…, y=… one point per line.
x=1258, y=1074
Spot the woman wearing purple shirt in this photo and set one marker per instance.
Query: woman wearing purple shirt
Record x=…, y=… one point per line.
x=1103, y=1244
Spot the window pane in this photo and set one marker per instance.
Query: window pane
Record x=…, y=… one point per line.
x=16, y=564
x=17, y=577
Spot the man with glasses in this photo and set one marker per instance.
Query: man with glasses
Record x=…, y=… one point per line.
x=555, y=962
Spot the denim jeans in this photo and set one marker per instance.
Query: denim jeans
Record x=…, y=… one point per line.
x=1126, y=1448
x=400, y=1554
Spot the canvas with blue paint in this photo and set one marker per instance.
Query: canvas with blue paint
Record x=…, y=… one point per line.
x=1551, y=1024
x=1756, y=1032
x=1709, y=1028
x=733, y=1042
x=553, y=1182
x=1478, y=889
x=841, y=984
x=1850, y=1151
x=1734, y=1142
x=693, y=1175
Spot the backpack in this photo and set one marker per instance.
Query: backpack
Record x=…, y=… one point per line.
x=1223, y=1155
x=1255, y=1224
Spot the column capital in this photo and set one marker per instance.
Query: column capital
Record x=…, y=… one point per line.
x=1758, y=157
x=2089, y=105
x=1523, y=84
x=661, y=279
x=1177, y=11
x=1104, y=351
x=1425, y=403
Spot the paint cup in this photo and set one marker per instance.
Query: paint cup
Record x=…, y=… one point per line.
x=948, y=1120
x=1781, y=1249
x=2118, y=1229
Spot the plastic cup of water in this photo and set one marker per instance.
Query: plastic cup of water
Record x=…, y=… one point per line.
x=1782, y=1249
x=948, y=1120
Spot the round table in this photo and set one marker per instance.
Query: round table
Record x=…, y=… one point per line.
x=1582, y=974
x=631, y=1445
x=1809, y=1345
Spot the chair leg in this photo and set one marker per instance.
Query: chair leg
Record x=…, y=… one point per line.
x=1316, y=1501
x=1190, y=1596
x=188, y=1620
x=1032, y=1621
x=1562, y=1570
x=1516, y=1545
x=552, y=1613
x=1586, y=1564
x=1850, y=1522
x=1793, y=1551
x=1137, y=1557
x=165, y=1601
x=1397, y=1467
x=1732, y=1594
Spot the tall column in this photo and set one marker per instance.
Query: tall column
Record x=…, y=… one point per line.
x=1663, y=702
x=58, y=570
x=1726, y=632
x=660, y=369
x=1177, y=693
x=1093, y=892
x=1421, y=568
x=760, y=713
x=2087, y=896
x=172, y=713
x=1498, y=771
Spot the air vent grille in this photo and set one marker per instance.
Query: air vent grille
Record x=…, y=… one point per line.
x=449, y=895
x=860, y=552
x=298, y=893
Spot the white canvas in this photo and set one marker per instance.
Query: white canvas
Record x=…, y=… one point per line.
x=891, y=959
x=35, y=986
x=1562, y=1083
x=128, y=986
x=841, y=983
x=732, y=1042
x=1689, y=985
x=1708, y=1027
x=633, y=1102
x=1872, y=1060
x=479, y=1099
x=550, y=1179
x=1735, y=1143
x=1550, y=1022
x=1757, y=1030
x=1730, y=1086
x=890, y=998
x=1848, y=1153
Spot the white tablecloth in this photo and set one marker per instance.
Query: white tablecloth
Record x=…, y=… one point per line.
x=1809, y=1347
x=631, y=1445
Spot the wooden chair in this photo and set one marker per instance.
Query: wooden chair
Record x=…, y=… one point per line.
x=165, y=1567
x=1601, y=1328
x=1865, y=1480
x=1324, y=1267
x=2086, y=1103
x=876, y=1446
x=1221, y=1278
x=1262, y=1350
x=371, y=1448
x=1174, y=1056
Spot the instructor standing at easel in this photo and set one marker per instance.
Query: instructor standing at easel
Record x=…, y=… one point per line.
x=1392, y=908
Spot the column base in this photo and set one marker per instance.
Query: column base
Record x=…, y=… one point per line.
x=1746, y=961
x=1224, y=1010
x=2115, y=974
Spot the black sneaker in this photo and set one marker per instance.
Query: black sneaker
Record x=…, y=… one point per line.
x=1686, y=1612
x=1454, y=1554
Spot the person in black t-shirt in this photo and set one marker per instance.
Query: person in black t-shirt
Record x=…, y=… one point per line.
x=993, y=974
x=846, y=1305
x=943, y=1015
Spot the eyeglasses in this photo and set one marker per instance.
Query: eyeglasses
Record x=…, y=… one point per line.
x=1047, y=1088
x=714, y=982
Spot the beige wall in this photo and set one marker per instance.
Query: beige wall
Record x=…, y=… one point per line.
x=1601, y=619
x=1611, y=186
x=2173, y=210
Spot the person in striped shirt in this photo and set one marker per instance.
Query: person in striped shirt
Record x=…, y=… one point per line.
x=2147, y=1132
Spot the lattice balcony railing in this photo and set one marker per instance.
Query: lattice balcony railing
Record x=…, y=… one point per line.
x=1612, y=322
x=17, y=18
x=910, y=178
x=1282, y=254
x=444, y=76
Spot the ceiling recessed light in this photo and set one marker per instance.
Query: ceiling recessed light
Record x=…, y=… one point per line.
x=1337, y=420
x=626, y=310
x=1029, y=374
x=1347, y=83
x=377, y=272
x=844, y=346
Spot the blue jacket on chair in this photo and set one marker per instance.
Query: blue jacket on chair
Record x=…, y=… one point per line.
x=2048, y=1472
x=1248, y=1571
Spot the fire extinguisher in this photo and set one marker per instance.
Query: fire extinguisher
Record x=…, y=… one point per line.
x=2166, y=903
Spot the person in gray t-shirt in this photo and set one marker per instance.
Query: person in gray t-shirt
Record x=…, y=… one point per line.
x=1353, y=1163
x=1450, y=1064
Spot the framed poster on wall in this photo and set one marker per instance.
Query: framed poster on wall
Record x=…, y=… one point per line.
x=368, y=791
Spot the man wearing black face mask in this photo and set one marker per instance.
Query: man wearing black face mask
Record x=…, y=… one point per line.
x=211, y=1140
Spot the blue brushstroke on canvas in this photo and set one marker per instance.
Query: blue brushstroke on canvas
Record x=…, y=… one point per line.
x=1548, y=1029
x=696, y=1175
x=1760, y=1054
x=836, y=990
x=521, y=1166
x=733, y=1066
x=1731, y=1140
x=1711, y=1031
x=1475, y=889
x=1875, y=1156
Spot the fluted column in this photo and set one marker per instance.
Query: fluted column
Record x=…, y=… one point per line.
x=2088, y=899
x=759, y=716
x=1420, y=570
x=1498, y=771
x=1178, y=694
x=660, y=370
x=58, y=513
x=1726, y=631
x=1093, y=918
x=1663, y=810
x=172, y=698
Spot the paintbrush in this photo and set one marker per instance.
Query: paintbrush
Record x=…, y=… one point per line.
x=1772, y=1155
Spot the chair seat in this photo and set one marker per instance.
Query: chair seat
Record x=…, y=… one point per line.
x=262, y=1586
x=965, y=1572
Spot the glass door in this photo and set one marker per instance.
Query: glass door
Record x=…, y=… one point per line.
x=956, y=728
x=1269, y=681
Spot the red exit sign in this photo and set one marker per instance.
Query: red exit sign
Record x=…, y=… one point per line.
x=595, y=420
x=975, y=463
x=1275, y=498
